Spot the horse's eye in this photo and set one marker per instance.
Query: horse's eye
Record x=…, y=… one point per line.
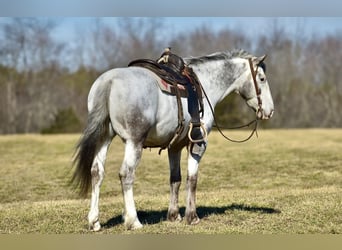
x=262, y=78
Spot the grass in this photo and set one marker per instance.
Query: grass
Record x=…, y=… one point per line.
x=286, y=181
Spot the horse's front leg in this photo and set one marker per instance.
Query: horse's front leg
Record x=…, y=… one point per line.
x=175, y=182
x=195, y=153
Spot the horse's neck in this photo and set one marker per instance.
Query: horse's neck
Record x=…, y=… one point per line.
x=218, y=78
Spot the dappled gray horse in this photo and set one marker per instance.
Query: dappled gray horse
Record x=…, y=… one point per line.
x=127, y=102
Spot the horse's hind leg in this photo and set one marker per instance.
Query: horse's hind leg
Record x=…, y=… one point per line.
x=132, y=157
x=175, y=182
x=97, y=175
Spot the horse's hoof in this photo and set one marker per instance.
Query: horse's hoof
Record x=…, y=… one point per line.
x=96, y=226
x=192, y=218
x=179, y=218
x=133, y=226
x=137, y=225
x=174, y=216
x=195, y=221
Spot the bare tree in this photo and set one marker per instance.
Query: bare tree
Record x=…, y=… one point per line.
x=41, y=76
x=32, y=55
x=112, y=45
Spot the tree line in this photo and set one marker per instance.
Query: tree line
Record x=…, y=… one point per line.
x=45, y=81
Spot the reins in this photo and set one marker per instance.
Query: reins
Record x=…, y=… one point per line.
x=255, y=121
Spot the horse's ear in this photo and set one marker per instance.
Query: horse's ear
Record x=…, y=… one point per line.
x=258, y=60
x=263, y=58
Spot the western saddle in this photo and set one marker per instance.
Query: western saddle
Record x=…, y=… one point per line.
x=178, y=79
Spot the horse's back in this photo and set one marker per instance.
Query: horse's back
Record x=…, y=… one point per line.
x=128, y=85
x=132, y=89
x=136, y=106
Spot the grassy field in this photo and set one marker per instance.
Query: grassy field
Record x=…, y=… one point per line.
x=286, y=181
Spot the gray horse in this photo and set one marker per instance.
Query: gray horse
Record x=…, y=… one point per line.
x=127, y=102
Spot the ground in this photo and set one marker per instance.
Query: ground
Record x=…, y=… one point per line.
x=285, y=181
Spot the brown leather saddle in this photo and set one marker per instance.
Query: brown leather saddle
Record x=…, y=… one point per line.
x=180, y=84
x=170, y=79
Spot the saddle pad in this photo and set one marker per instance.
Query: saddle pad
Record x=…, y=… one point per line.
x=170, y=89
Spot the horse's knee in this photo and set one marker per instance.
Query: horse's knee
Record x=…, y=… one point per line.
x=197, y=150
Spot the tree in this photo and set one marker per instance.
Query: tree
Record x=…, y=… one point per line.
x=41, y=78
x=31, y=56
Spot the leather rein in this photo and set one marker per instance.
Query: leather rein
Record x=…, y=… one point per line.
x=258, y=112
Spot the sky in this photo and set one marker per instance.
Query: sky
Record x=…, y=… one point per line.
x=308, y=18
x=68, y=28
x=170, y=8
x=250, y=16
x=251, y=26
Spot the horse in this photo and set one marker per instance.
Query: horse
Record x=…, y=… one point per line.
x=127, y=102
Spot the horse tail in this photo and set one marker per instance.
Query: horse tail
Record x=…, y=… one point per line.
x=95, y=134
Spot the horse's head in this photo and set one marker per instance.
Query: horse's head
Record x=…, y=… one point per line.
x=255, y=89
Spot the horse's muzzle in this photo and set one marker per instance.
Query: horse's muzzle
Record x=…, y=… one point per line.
x=260, y=114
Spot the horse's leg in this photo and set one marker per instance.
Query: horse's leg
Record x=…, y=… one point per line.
x=175, y=182
x=97, y=175
x=195, y=152
x=132, y=156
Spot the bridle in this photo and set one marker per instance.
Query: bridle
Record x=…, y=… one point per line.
x=257, y=89
x=258, y=111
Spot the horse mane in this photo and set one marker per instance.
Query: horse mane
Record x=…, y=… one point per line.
x=226, y=55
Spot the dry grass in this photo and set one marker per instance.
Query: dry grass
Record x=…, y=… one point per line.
x=287, y=181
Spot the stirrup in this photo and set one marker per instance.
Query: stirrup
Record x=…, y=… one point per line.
x=204, y=135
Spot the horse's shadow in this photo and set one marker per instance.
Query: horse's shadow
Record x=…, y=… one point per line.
x=155, y=217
